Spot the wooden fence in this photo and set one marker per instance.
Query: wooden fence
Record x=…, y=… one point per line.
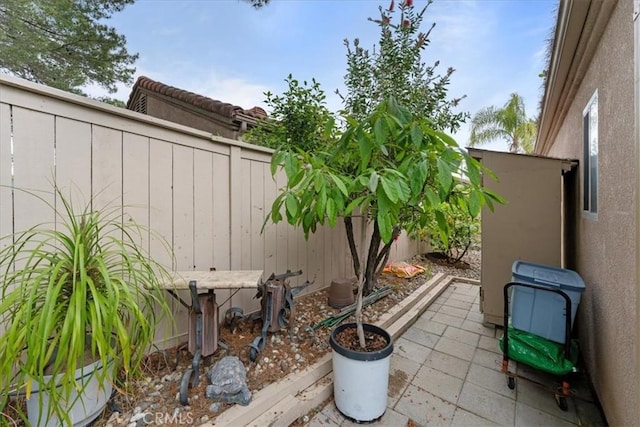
x=206, y=195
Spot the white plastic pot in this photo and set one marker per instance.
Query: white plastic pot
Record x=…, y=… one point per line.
x=361, y=379
x=83, y=409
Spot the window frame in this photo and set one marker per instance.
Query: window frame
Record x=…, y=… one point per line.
x=590, y=169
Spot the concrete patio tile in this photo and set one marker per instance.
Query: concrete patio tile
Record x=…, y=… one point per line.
x=430, y=326
x=475, y=316
x=487, y=404
x=331, y=412
x=455, y=348
x=410, y=350
x=448, y=364
x=537, y=397
x=401, y=372
x=452, y=311
x=321, y=420
x=452, y=302
x=421, y=336
x=447, y=320
x=465, y=298
x=488, y=359
x=466, y=337
x=490, y=379
x=490, y=344
x=327, y=417
x=424, y=408
x=462, y=418
x=527, y=416
x=390, y=418
x=478, y=328
x=438, y=383
x=466, y=289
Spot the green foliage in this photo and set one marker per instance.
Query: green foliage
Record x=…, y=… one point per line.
x=461, y=229
x=64, y=44
x=81, y=285
x=393, y=167
x=395, y=69
x=299, y=119
x=509, y=123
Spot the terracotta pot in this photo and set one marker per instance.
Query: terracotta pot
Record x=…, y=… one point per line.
x=341, y=293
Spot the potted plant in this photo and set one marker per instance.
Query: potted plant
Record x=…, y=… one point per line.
x=391, y=164
x=80, y=300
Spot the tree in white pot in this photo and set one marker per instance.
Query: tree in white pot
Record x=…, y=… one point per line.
x=391, y=164
x=77, y=294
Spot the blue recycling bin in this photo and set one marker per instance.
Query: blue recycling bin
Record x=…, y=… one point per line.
x=540, y=312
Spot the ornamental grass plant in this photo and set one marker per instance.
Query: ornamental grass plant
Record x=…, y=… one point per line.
x=73, y=292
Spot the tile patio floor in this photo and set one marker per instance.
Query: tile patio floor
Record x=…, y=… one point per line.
x=446, y=370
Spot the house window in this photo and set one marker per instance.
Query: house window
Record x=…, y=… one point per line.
x=590, y=157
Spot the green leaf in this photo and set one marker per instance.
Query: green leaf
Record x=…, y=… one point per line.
x=404, y=192
x=292, y=206
x=443, y=228
x=473, y=172
x=418, y=177
x=290, y=165
x=276, y=161
x=318, y=182
x=373, y=182
x=321, y=203
x=445, y=176
x=332, y=212
x=416, y=135
x=432, y=197
x=340, y=184
x=353, y=204
x=475, y=203
x=365, y=147
x=385, y=227
x=390, y=189
x=380, y=132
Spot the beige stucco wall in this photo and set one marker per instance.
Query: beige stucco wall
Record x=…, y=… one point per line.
x=606, y=254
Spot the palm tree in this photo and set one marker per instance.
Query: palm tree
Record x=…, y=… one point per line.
x=509, y=123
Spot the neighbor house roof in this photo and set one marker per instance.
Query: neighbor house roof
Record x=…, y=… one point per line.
x=222, y=108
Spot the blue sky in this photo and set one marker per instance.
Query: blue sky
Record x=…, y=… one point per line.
x=226, y=50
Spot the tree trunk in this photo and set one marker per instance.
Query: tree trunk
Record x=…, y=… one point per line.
x=370, y=267
x=348, y=225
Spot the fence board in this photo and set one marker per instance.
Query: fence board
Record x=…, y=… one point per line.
x=73, y=160
x=106, y=167
x=33, y=154
x=203, y=210
x=135, y=185
x=6, y=203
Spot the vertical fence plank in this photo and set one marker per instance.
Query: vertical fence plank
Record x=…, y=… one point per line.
x=183, y=206
x=33, y=162
x=6, y=203
x=106, y=167
x=221, y=223
x=73, y=160
x=235, y=200
x=203, y=210
x=135, y=181
x=161, y=220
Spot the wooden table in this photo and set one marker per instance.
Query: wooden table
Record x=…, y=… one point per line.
x=203, y=312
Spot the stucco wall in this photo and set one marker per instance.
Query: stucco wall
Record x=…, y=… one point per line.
x=606, y=256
